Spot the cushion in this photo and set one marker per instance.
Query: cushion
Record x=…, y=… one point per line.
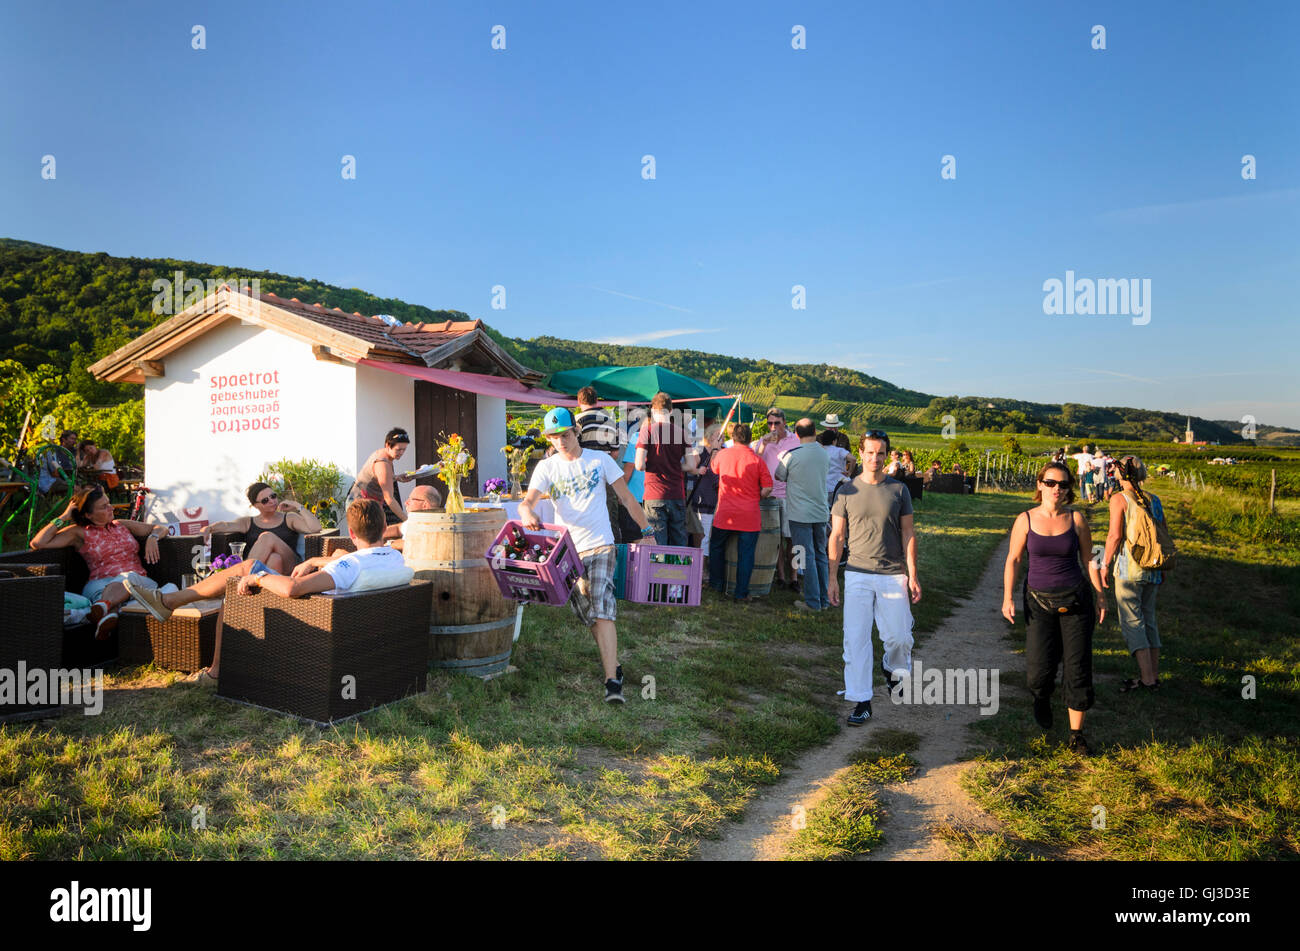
x=374, y=580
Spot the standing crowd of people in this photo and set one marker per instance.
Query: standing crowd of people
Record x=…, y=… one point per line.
x=711, y=487
x=707, y=487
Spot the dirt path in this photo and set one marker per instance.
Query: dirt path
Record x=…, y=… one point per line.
x=971, y=638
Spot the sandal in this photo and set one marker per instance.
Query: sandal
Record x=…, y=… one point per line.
x=1135, y=684
x=104, y=616
x=201, y=678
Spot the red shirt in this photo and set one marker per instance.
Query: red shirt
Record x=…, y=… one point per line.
x=664, y=445
x=741, y=476
x=111, y=550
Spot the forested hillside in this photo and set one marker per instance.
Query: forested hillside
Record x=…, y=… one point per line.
x=66, y=309
x=1072, y=419
x=824, y=382
x=61, y=310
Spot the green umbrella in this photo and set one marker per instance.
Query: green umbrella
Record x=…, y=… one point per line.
x=640, y=384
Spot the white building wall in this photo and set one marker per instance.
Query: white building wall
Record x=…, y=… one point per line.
x=202, y=453
x=383, y=400
x=491, y=437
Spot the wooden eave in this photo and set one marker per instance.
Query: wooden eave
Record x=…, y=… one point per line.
x=145, y=355
x=124, y=365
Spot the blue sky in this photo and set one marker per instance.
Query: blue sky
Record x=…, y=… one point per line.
x=774, y=167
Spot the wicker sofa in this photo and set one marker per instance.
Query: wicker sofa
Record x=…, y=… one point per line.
x=325, y=657
x=31, y=629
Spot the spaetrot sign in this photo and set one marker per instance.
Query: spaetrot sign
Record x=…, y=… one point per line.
x=244, y=401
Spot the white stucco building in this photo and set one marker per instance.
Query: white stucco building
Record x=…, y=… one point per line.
x=240, y=380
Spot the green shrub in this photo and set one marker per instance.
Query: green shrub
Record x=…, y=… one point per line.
x=118, y=428
x=318, y=486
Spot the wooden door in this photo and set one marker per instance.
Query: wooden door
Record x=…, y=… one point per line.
x=441, y=411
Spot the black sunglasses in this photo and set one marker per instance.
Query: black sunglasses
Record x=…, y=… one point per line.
x=876, y=434
x=1055, y=484
x=270, y=498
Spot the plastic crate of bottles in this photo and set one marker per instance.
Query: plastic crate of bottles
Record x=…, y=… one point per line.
x=534, y=567
x=664, y=574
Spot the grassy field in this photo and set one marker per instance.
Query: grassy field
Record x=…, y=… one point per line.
x=847, y=821
x=531, y=765
x=1208, y=767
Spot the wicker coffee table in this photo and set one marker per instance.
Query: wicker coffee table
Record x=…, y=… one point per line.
x=186, y=641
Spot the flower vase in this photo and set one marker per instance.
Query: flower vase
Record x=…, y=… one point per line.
x=455, y=504
x=516, y=490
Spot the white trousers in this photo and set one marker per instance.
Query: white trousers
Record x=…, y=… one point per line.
x=706, y=519
x=885, y=600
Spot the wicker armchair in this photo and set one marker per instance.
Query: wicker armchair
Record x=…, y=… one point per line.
x=314, y=544
x=174, y=556
x=79, y=647
x=948, y=483
x=293, y=655
x=31, y=629
x=332, y=545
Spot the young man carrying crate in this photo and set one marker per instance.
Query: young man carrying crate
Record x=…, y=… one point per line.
x=576, y=478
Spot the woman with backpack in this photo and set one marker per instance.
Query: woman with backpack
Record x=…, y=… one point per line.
x=1060, y=611
x=1136, y=519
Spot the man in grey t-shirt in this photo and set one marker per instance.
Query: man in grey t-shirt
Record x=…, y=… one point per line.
x=880, y=581
x=803, y=470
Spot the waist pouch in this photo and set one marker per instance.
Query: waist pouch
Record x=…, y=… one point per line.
x=1060, y=600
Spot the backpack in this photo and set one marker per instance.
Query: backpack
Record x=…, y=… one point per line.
x=1149, y=543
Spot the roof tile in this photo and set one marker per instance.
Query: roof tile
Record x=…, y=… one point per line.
x=419, y=337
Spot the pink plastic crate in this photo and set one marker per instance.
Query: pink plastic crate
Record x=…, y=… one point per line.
x=664, y=574
x=545, y=582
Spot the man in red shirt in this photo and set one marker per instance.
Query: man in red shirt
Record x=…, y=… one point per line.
x=660, y=448
x=743, y=479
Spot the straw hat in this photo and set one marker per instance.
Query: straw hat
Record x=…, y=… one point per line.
x=832, y=421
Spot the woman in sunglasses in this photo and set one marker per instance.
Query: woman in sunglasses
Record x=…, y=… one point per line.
x=1060, y=610
x=272, y=534
x=110, y=546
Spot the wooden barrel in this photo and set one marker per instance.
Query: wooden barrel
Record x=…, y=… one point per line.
x=766, y=552
x=471, y=625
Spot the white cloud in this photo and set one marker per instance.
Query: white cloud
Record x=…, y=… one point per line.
x=644, y=300
x=1122, y=376
x=655, y=335
x=1144, y=214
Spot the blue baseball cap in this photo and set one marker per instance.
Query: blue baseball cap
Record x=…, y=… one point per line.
x=557, y=421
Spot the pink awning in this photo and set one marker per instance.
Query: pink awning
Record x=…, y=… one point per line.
x=500, y=386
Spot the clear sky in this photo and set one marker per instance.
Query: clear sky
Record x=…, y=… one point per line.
x=774, y=166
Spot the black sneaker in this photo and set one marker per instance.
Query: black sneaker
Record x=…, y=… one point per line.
x=619, y=678
x=1078, y=744
x=890, y=675
x=861, y=713
x=1043, y=713
x=614, y=692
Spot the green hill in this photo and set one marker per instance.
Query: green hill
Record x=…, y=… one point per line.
x=65, y=309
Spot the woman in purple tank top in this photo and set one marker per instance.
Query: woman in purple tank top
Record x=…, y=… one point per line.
x=1060, y=611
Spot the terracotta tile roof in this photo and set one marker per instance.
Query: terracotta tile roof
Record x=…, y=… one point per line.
x=420, y=338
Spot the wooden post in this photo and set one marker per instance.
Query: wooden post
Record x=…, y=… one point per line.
x=1272, y=492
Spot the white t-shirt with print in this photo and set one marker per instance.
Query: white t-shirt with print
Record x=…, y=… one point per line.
x=1084, y=459
x=838, y=469
x=577, y=489
x=346, y=570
